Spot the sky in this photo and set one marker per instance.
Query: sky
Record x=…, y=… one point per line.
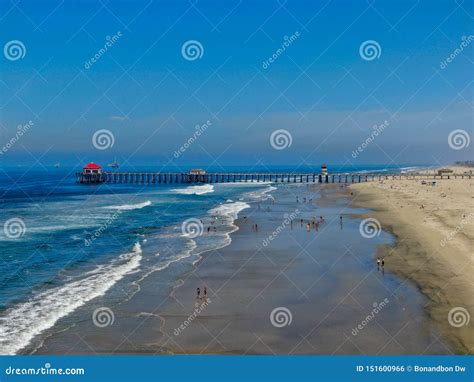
x=266, y=82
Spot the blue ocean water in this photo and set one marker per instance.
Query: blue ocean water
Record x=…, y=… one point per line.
x=75, y=242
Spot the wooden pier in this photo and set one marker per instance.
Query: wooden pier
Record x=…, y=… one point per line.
x=172, y=177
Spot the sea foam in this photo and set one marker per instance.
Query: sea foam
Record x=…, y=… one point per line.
x=20, y=323
x=195, y=190
x=127, y=207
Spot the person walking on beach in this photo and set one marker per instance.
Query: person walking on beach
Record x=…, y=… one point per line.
x=383, y=263
x=378, y=263
x=205, y=293
x=198, y=293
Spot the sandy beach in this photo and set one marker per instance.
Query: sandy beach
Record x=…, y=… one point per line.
x=331, y=297
x=291, y=287
x=434, y=227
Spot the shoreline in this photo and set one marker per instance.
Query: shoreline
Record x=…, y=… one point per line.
x=433, y=230
x=327, y=279
x=247, y=282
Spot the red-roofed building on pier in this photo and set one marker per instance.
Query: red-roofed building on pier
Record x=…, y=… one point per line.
x=92, y=168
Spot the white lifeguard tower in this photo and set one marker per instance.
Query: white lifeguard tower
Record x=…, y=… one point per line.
x=324, y=169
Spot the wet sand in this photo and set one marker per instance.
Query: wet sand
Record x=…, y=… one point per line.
x=325, y=285
x=325, y=290
x=434, y=226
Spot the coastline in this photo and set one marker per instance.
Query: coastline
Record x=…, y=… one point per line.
x=326, y=279
x=434, y=230
x=324, y=289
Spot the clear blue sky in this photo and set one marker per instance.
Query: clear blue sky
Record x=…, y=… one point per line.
x=319, y=89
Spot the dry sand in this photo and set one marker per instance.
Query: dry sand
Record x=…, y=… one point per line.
x=434, y=227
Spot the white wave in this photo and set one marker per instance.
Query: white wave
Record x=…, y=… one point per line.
x=405, y=170
x=21, y=323
x=195, y=190
x=260, y=194
x=128, y=207
x=367, y=171
x=229, y=209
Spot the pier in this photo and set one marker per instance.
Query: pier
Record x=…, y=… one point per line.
x=172, y=177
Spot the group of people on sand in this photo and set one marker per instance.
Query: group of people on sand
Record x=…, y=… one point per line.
x=313, y=223
x=213, y=224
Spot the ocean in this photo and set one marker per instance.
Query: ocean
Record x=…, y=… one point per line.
x=64, y=245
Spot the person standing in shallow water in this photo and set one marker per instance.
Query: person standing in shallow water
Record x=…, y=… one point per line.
x=378, y=263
